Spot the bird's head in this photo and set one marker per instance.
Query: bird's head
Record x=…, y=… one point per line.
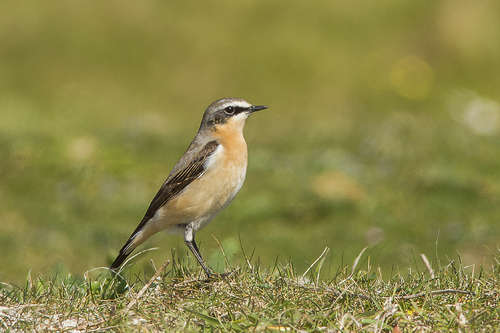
x=228, y=112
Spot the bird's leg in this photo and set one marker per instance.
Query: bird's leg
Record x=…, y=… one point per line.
x=191, y=244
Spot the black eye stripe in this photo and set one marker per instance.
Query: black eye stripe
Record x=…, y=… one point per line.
x=230, y=110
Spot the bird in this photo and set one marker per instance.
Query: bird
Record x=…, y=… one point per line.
x=202, y=183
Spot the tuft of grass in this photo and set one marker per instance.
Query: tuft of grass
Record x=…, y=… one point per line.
x=276, y=298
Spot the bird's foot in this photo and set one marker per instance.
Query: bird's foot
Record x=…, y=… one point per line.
x=218, y=276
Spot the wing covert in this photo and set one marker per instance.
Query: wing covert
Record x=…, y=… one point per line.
x=177, y=182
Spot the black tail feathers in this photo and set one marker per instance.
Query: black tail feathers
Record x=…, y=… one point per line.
x=124, y=253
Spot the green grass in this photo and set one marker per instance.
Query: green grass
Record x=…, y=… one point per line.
x=383, y=128
x=447, y=297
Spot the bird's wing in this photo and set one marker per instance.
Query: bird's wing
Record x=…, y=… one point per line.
x=178, y=180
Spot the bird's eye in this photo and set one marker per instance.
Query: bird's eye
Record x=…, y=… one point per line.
x=230, y=110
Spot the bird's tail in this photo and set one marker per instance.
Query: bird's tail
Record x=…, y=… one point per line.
x=137, y=238
x=124, y=253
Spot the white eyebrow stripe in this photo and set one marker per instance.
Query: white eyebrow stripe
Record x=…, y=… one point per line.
x=241, y=104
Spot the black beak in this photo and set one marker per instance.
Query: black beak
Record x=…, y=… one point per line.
x=255, y=108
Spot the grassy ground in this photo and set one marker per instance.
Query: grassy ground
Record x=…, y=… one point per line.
x=448, y=297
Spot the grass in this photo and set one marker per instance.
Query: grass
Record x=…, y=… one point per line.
x=448, y=297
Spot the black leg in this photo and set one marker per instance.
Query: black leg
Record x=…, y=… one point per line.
x=191, y=244
x=194, y=249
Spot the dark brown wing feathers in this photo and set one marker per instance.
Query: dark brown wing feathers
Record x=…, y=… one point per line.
x=171, y=187
x=176, y=183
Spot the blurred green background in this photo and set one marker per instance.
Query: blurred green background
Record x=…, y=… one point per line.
x=384, y=127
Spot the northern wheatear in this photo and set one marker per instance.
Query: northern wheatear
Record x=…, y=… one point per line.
x=203, y=182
